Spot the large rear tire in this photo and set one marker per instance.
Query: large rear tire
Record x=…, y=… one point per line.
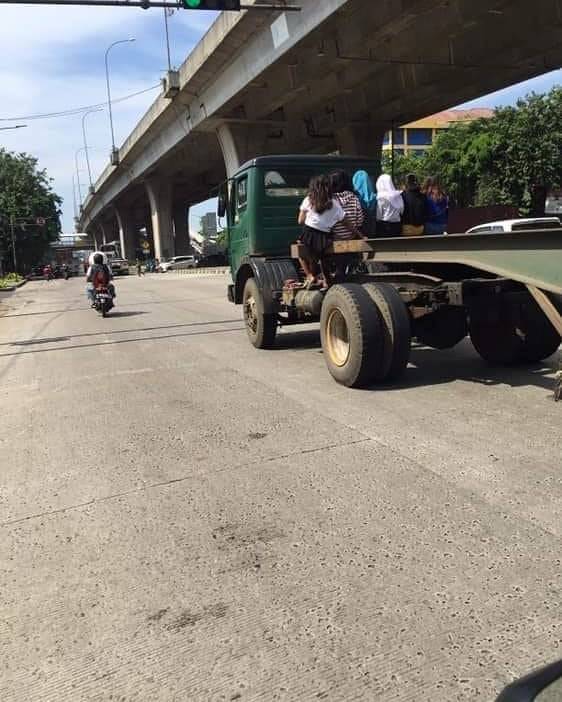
x=541, y=340
x=497, y=343
x=396, y=329
x=442, y=329
x=352, y=336
x=260, y=327
x=512, y=335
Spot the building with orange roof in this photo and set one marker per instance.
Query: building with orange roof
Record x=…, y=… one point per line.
x=416, y=137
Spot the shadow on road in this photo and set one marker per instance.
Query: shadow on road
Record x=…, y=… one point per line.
x=25, y=342
x=83, y=308
x=127, y=314
x=432, y=367
x=298, y=340
x=123, y=341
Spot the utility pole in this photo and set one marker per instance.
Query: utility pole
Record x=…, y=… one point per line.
x=14, y=255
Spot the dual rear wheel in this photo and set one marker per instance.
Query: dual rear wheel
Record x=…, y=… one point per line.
x=365, y=333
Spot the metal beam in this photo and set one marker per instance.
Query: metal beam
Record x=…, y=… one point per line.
x=145, y=4
x=530, y=257
x=550, y=311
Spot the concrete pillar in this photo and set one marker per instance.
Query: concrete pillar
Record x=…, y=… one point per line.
x=94, y=235
x=103, y=234
x=230, y=148
x=127, y=231
x=159, y=191
x=181, y=229
x=240, y=143
x=360, y=140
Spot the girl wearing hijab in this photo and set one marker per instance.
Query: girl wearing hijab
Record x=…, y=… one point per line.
x=363, y=186
x=390, y=207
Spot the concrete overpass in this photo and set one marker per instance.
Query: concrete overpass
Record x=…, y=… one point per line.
x=334, y=76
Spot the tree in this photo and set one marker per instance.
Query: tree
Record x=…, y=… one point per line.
x=403, y=165
x=514, y=158
x=26, y=195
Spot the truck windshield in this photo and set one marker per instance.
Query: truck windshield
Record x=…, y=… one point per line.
x=286, y=183
x=293, y=182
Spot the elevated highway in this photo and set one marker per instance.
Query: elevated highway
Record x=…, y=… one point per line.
x=334, y=76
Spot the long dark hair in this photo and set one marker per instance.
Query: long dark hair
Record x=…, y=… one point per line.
x=432, y=188
x=320, y=193
x=341, y=182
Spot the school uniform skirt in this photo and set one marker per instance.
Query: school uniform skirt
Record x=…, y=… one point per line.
x=315, y=242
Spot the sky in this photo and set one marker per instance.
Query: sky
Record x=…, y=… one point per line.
x=53, y=60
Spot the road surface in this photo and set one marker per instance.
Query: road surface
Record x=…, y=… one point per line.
x=186, y=518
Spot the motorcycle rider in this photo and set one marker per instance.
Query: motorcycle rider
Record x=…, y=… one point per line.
x=99, y=274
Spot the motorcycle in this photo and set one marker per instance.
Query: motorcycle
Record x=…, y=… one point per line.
x=103, y=301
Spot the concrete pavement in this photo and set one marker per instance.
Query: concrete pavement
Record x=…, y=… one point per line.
x=186, y=518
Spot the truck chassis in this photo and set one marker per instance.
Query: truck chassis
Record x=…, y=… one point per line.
x=504, y=290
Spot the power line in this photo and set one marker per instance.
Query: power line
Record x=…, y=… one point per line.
x=76, y=110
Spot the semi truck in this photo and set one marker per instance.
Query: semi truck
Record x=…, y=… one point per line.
x=502, y=289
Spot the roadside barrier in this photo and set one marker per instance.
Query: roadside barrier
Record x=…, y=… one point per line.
x=220, y=270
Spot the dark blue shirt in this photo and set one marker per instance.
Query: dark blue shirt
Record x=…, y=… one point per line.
x=438, y=210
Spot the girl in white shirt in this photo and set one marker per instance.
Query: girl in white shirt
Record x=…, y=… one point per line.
x=319, y=212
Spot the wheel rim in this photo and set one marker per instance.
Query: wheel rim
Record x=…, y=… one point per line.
x=337, y=337
x=250, y=314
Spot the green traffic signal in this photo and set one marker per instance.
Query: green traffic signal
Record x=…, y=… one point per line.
x=216, y=5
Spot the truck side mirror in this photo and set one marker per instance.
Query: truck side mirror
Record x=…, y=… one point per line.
x=222, y=203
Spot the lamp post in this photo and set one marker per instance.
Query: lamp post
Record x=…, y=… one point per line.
x=74, y=196
x=114, y=152
x=89, y=112
x=78, y=172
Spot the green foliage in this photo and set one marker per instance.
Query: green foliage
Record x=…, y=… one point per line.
x=11, y=279
x=514, y=158
x=403, y=165
x=25, y=195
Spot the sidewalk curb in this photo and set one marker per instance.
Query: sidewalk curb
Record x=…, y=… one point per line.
x=219, y=270
x=13, y=287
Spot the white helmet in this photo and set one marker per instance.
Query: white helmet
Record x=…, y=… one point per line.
x=95, y=253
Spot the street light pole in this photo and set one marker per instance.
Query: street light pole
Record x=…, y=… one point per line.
x=78, y=172
x=114, y=152
x=14, y=255
x=89, y=112
x=74, y=196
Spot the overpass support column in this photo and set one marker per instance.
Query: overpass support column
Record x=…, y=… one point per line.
x=181, y=231
x=239, y=143
x=95, y=236
x=126, y=227
x=360, y=140
x=102, y=232
x=159, y=191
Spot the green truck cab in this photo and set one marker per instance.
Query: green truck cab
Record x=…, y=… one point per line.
x=502, y=289
x=262, y=206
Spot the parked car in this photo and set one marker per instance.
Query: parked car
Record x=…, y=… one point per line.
x=212, y=261
x=177, y=263
x=515, y=225
x=119, y=266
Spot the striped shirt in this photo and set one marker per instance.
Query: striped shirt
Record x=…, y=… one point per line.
x=353, y=212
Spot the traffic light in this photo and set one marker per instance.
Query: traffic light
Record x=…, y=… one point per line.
x=211, y=5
